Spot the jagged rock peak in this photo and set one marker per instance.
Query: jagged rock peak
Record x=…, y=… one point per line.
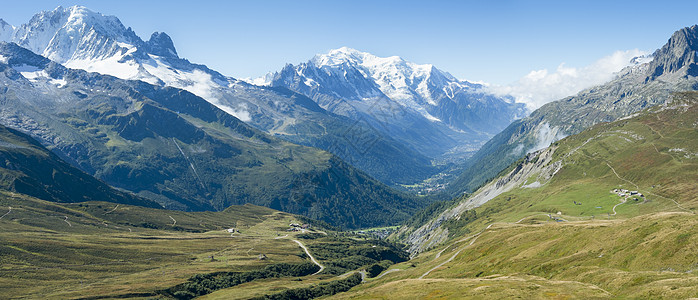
x=6, y=30
x=161, y=44
x=677, y=53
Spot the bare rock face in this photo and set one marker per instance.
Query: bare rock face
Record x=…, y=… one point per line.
x=678, y=53
x=161, y=44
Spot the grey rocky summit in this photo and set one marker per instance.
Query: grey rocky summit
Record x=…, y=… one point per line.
x=672, y=69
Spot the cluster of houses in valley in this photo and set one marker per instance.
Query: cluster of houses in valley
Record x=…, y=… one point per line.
x=627, y=194
x=297, y=227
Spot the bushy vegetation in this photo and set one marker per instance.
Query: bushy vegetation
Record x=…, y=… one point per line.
x=310, y=236
x=458, y=226
x=315, y=291
x=203, y=284
x=317, y=223
x=377, y=268
x=343, y=255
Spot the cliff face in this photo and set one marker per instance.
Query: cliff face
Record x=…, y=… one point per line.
x=677, y=54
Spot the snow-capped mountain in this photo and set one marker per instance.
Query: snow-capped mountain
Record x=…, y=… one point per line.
x=82, y=39
x=355, y=83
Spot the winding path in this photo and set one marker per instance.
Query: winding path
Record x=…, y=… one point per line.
x=388, y=272
x=614, y=207
x=8, y=212
x=363, y=276
x=111, y=211
x=646, y=191
x=311, y=257
x=474, y=237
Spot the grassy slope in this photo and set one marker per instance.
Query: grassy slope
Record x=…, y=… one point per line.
x=99, y=253
x=646, y=250
x=99, y=249
x=650, y=256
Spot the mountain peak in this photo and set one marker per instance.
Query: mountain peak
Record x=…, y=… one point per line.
x=6, y=30
x=346, y=55
x=58, y=34
x=161, y=44
x=678, y=53
x=15, y=55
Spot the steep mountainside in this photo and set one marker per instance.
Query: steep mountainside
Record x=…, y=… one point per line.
x=636, y=88
x=26, y=167
x=420, y=105
x=608, y=213
x=645, y=257
x=173, y=147
x=633, y=166
x=79, y=38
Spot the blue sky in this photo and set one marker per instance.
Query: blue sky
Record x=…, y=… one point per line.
x=492, y=41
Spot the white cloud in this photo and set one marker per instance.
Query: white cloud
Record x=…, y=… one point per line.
x=542, y=86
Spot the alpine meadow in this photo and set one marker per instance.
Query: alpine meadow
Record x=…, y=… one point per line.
x=321, y=153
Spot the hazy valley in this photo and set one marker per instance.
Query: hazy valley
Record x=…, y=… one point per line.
x=127, y=171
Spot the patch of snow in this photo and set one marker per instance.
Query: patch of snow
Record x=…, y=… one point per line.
x=4, y=59
x=260, y=81
x=58, y=82
x=643, y=59
x=310, y=82
x=131, y=48
x=111, y=66
x=423, y=89
x=30, y=72
x=403, y=81
x=58, y=34
x=156, y=71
